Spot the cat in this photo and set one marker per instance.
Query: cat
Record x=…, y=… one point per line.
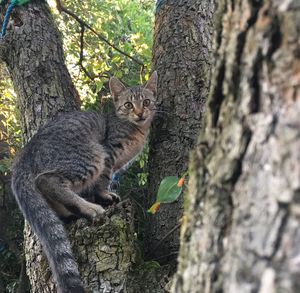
x=75, y=152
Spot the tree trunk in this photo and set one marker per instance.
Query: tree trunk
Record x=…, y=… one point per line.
x=33, y=52
x=182, y=56
x=241, y=230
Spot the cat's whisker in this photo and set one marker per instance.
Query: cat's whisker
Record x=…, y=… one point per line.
x=164, y=112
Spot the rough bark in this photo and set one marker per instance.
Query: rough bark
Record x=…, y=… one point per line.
x=33, y=52
x=182, y=56
x=241, y=232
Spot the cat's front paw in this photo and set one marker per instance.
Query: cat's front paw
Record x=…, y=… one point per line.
x=114, y=197
x=108, y=198
x=91, y=211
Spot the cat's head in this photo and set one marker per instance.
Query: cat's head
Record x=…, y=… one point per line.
x=136, y=104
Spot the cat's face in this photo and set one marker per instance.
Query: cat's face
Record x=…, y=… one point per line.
x=136, y=104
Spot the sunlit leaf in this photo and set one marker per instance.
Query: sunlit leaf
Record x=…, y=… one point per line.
x=168, y=190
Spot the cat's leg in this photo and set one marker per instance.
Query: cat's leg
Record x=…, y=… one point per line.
x=101, y=189
x=64, y=214
x=58, y=189
x=102, y=194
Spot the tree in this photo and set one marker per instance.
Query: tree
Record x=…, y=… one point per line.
x=241, y=231
x=182, y=54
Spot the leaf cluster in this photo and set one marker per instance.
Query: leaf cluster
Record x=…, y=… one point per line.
x=127, y=25
x=10, y=132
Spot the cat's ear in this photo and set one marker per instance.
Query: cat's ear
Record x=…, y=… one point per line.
x=116, y=87
x=151, y=84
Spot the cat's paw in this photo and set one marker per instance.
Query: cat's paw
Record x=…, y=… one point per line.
x=92, y=211
x=108, y=198
x=114, y=197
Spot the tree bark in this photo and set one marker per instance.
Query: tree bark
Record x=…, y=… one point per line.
x=32, y=50
x=182, y=56
x=241, y=230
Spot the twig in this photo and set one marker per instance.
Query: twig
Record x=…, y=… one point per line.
x=62, y=8
x=81, y=57
x=167, y=235
x=166, y=255
x=80, y=62
x=139, y=205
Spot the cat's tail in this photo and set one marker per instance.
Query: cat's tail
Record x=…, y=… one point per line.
x=50, y=231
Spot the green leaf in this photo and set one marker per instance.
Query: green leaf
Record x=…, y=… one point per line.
x=168, y=190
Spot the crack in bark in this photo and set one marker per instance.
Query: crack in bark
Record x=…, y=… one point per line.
x=255, y=83
x=275, y=37
x=217, y=96
x=281, y=229
x=241, y=42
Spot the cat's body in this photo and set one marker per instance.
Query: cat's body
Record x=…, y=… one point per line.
x=74, y=153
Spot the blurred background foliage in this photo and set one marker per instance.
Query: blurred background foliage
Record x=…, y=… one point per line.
x=91, y=60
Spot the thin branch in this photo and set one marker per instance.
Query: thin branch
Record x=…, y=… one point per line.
x=167, y=235
x=138, y=204
x=81, y=57
x=81, y=51
x=166, y=255
x=62, y=8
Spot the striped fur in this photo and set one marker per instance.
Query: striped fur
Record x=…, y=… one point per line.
x=72, y=155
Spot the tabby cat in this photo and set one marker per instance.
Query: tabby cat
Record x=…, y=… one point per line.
x=74, y=152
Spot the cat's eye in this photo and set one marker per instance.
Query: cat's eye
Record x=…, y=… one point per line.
x=146, y=103
x=128, y=105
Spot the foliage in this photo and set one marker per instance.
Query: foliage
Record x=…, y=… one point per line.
x=10, y=142
x=9, y=258
x=11, y=236
x=10, y=133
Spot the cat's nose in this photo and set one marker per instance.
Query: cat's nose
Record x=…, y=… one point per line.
x=140, y=115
